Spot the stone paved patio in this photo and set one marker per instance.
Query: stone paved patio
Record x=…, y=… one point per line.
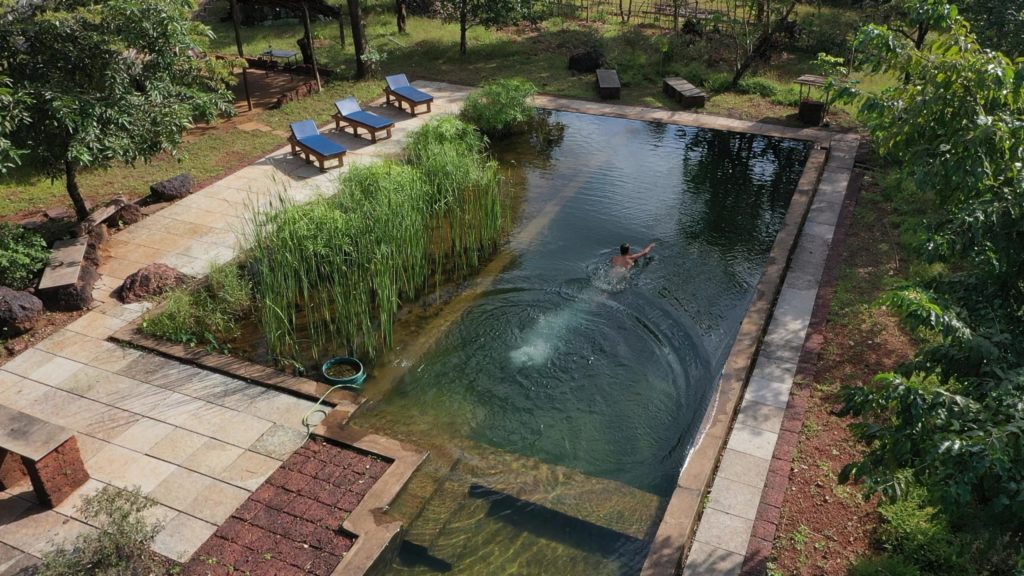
x=197, y=442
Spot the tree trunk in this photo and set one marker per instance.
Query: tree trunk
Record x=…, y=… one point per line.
x=675, y=15
x=341, y=28
x=400, y=15
x=463, y=25
x=309, y=39
x=241, y=54
x=922, y=31
x=355, y=16
x=763, y=45
x=70, y=175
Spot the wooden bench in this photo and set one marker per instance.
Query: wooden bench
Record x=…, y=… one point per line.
x=608, y=85
x=685, y=93
x=46, y=453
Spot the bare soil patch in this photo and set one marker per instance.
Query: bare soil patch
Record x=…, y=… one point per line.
x=825, y=526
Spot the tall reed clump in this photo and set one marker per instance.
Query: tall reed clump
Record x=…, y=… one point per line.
x=500, y=107
x=207, y=315
x=335, y=271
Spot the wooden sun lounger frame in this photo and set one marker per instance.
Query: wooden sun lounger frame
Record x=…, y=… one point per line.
x=388, y=94
x=306, y=152
x=355, y=125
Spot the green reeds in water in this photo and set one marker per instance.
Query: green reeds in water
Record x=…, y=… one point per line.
x=341, y=266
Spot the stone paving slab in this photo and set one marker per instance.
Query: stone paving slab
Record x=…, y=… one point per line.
x=727, y=527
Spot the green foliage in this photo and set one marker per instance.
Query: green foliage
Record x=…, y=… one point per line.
x=999, y=24
x=955, y=130
x=921, y=535
x=335, y=271
x=487, y=13
x=500, y=107
x=107, y=81
x=207, y=315
x=23, y=254
x=830, y=31
x=883, y=565
x=12, y=114
x=119, y=547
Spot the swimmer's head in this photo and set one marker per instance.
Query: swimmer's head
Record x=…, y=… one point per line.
x=624, y=249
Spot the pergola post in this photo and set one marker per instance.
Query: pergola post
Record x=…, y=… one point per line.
x=241, y=54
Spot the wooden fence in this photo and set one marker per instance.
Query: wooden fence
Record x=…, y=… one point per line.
x=658, y=13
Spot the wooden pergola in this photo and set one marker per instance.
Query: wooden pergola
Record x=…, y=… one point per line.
x=318, y=7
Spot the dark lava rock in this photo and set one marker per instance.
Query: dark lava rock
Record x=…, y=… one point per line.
x=19, y=312
x=98, y=236
x=588, y=61
x=126, y=216
x=152, y=280
x=174, y=188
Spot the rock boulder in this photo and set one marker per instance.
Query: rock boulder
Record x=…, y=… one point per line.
x=587, y=61
x=152, y=280
x=19, y=312
x=174, y=188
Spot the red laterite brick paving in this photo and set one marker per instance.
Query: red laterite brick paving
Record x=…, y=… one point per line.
x=292, y=523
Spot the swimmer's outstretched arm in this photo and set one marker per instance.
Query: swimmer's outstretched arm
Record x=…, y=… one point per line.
x=641, y=253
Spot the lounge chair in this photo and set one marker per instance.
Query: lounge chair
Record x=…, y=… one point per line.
x=355, y=117
x=306, y=138
x=398, y=88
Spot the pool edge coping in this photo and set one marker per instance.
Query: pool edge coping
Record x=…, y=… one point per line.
x=720, y=547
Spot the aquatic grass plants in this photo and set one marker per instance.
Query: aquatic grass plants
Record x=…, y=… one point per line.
x=334, y=272
x=501, y=107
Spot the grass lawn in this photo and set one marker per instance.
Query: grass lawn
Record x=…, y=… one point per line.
x=430, y=51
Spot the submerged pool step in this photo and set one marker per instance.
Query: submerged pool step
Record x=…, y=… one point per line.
x=531, y=494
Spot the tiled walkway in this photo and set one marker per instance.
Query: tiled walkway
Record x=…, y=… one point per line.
x=196, y=442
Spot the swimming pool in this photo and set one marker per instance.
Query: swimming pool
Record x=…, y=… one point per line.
x=561, y=404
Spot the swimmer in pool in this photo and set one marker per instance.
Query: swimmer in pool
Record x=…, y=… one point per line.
x=625, y=260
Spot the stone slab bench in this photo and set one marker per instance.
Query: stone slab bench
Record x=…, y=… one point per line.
x=45, y=452
x=680, y=90
x=608, y=85
x=65, y=263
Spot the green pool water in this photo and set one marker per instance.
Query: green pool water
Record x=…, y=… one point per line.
x=561, y=404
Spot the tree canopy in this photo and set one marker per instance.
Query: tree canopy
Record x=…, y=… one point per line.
x=489, y=13
x=106, y=81
x=951, y=420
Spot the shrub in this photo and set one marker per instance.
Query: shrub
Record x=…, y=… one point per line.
x=919, y=533
x=23, y=253
x=120, y=546
x=500, y=107
x=207, y=315
x=443, y=131
x=883, y=565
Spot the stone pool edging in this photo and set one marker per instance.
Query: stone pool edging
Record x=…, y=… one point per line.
x=768, y=518
x=259, y=374
x=378, y=535
x=675, y=533
x=746, y=480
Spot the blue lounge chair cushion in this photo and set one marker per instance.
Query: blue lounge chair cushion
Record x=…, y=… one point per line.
x=322, y=145
x=397, y=81
x=369, y=119
x=304, y=129
x=348, y=106
x=410, y=93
